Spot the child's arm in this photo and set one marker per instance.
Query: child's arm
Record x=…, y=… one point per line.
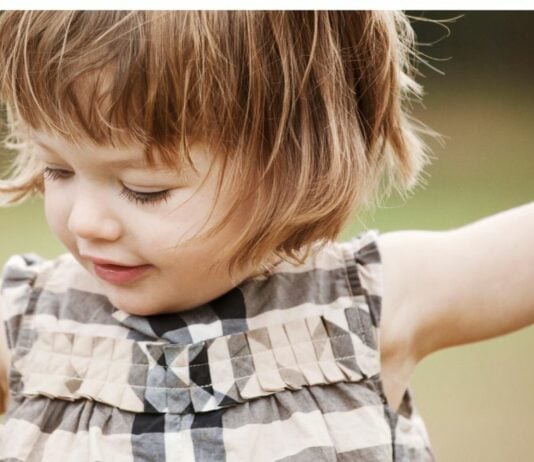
x=446, y=288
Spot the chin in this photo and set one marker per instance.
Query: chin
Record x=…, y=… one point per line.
x=141, y=302
x=134, y=305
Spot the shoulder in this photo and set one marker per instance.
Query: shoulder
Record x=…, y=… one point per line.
x=334, y=274
x=27, y=275
x=26, y=279
x=20, y=276
x=362, y=254
x=363, y=263
x=22, y=268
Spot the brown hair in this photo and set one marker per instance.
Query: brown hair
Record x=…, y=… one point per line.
x=308, y=107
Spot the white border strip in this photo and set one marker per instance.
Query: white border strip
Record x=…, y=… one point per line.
x=269, y=5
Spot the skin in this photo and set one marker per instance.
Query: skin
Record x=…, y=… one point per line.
x=87, y=210
x=453, y=287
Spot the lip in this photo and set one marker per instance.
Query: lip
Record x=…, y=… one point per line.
x=118, y=274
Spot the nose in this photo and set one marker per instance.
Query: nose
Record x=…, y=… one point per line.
x=91, y=218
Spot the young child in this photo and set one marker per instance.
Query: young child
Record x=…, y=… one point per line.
x=198, y=167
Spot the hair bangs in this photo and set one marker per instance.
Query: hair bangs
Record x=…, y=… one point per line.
x=108, y=78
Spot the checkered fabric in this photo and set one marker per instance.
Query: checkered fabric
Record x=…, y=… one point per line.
x=280, y=368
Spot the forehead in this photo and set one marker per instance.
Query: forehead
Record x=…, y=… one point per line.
x=130, y=156
x=118, y=157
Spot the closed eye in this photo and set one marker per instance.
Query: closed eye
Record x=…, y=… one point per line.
x=145, y=197
x=56, y=173
x=138, y=197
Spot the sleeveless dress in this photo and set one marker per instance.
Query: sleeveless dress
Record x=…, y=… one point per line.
x=280, y=368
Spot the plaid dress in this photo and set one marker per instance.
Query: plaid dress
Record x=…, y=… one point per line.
x=280, y=368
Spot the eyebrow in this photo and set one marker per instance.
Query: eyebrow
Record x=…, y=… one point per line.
x=114, y=163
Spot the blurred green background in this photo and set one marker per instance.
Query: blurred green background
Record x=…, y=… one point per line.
x=477, y=400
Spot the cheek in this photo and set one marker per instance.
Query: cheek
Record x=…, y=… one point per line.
x=182, y=221
x=56, y=212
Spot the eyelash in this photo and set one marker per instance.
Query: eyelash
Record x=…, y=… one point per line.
x=133, y=196
x=145, y=198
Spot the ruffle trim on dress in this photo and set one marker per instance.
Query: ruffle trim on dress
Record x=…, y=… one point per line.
x=160, y=377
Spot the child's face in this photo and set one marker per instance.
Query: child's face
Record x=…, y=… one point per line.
x=103, y=203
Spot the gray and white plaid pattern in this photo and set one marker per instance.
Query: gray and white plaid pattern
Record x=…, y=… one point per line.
x=280, y=368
